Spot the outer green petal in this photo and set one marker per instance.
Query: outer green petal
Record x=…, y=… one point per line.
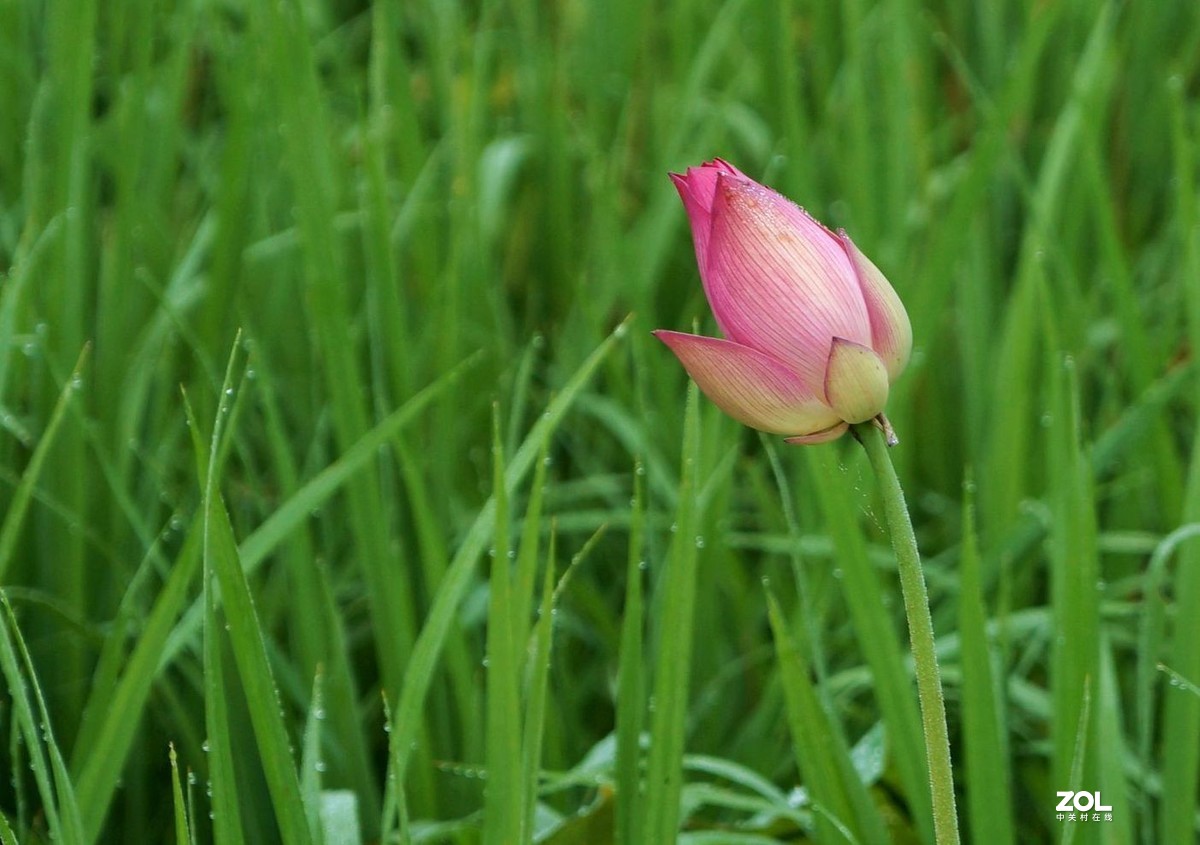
x=856, y=381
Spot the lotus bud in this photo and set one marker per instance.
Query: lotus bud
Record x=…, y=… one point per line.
x=814, y=334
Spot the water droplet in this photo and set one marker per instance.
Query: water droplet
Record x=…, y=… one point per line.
x=620, y=330
x=699, y=542
x=204, y=746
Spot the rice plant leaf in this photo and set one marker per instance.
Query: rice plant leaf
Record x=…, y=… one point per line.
x=14, y=517
x=248, y=642
x=259, y=544
x=502, y=792
x=183, y=835
x=32, y=720
x=631, y=701
x=672, y=664
x=986, y=775
x=406, y=718
x=536, y=695
x=847, y=813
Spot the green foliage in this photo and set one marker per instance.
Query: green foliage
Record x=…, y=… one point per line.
x=262, y=608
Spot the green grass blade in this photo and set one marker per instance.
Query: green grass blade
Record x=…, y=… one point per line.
x=1111, y=750
x=846, y=812
x=312, y=763
x=101, y=765
x=631, y=684
x=1180, y=765
x=1074, y=578
x=672, y=664
x=987, y=775
x=49, y=770
x=502, y=793
x=536, y=695
x=19, y=504
x=183, y=834
x=7, y=837
x=248, y=643
x=225, y=808
x=68, y=806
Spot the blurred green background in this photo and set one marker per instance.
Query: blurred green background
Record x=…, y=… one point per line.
x=374, y=194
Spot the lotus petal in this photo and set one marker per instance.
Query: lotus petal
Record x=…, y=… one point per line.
x=753, y=388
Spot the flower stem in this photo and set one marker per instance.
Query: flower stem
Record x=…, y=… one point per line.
x=920, y=632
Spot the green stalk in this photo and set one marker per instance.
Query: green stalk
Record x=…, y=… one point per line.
x=920, y=632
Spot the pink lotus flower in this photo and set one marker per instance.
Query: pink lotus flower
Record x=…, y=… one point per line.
x=814, y=334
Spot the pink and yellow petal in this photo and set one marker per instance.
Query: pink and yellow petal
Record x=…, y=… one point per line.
x=823, y=436
x=753, y=388
x=777, y=281
x=891, y=331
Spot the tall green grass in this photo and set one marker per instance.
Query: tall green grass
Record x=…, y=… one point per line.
x=344, y=501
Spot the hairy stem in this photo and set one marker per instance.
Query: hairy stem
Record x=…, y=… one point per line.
x=920, y=632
